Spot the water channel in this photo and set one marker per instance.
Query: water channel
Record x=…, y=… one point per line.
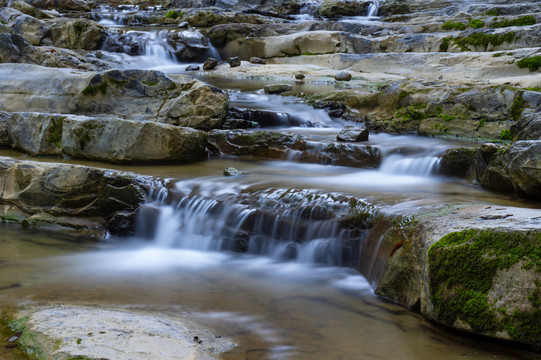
x=274, y=305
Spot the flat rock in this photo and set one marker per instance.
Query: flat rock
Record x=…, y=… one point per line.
x=277, y=88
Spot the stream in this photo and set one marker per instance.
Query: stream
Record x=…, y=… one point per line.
x=292, y=293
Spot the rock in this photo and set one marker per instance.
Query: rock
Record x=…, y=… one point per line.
x=257, y=60
x=299, y=76
x=266, y=118
x=231, y=171
x=207, y=18
x=68, y=195
x=131, y=94
x=334, y=9
x=277, y=88
x=333, y=108
x=27, y=26
x=528, y=127
x=514, y=169
x=188, y=46
x=459, y=162
x=352, y=134
x=234, y=61
x=275, y=145
x=69, y=5
x=192, y=68
x=35, y=133
x=113, y=333
x=342, y=76
x=23, y=7
x=210, y=64
x=76, y=33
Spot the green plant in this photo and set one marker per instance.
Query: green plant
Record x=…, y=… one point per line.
x=521, y=21
x=92, y=90
x=492, y=12
x=505, y=134
x=450, y=25
x=518, y=106
x=476, y=23
x=532, y=63
x=444, y=46
x=172, y=14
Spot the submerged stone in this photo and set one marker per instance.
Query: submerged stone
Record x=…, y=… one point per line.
x=352, y=134
x=277, y=88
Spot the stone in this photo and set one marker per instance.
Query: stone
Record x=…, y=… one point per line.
x=277, y=88
x=27, y=26
x=192, y=68
x=130, y=94
x=234, y=61
x=257, y=60
x=299, y=76
x=76, y=33
x=334, y=9
x=67, y=195
x=342, y=76
x=516, y=168
x=69, y=5
x=458, y=162
x=210, y=64
x=352, y=134
x=231, y=171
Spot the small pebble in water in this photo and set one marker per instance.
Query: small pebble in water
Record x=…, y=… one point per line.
x=197, y=339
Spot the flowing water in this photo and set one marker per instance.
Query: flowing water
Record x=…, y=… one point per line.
x=263, y=258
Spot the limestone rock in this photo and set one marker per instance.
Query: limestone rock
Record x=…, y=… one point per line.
x=131, y=94
x=514, y=169
x=342, y=76
x=299, y=76
x=210, y=64
x=192, y=68
x=458, y=161
x=352, y=134
x=29, y=27
x=69, y=5
x=334, y=9
x=76, y=33
x=277, y=88
x=257, y=60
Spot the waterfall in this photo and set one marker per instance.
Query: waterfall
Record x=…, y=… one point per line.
x=284, y=224
x=416, y=166
x=373, y=8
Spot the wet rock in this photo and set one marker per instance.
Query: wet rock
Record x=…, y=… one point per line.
x=342, y=76
x=68, y=195
x=362, y=156
x=76, y=33
x=231, y=171
x=192, y=68
x=352, y=134
x=257, y=60
x=210, y=64
x=277, y=88
x=516, y=168
x=69, y=5
x=333, y=108
x=299, y=76
x=528, y=127
x=130, y=94
x=234, y=61
x=459, y=162
x=266, y=118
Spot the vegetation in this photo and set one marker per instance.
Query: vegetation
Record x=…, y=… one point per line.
x=518, y=106
x=172, y=14
x=450, y=25
x=93, y=90
x=462, y=266
x=532, y=63
x=521, y=21
x=476, y=23
x=482, y=40
x=506, y=135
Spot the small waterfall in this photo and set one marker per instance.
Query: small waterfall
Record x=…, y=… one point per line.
x=373, y=8
x=284, y=224
x=415, y=166
x=155, y=47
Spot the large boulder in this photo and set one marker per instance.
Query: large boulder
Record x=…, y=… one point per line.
x=334, y=9
x=67, y=195
x=64, y=5
x=131, y=94
x=516, y=168
x=106, y=139
x=76, y=33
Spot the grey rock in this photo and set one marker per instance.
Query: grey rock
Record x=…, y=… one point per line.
x=342, y=76
x=234, y=61
x=192, y=68
x=299, y=76
x=231, y=171
x=277, y=88
x=257, y=60
x=352, y=134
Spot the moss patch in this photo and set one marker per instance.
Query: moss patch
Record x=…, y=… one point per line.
x=93, y=90
x=521, y=21
x=450, y=25
x=518, y=106
x=462, y=266
x=482, y=40
x=532, y=63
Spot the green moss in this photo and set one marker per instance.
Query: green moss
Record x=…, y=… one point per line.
x=361, y=214
x=521, y=21
x=55, y=132
x=525, y=326
x=532, y=63
x=493, y=12
x=483, y=40
x=518, y=106
x=537, y=89
x=476, y=23
x=506, y=135
x=150, y=83
x=450, y=25
x=447, y=117
x=93, y=90
x=462, y=266
x=403, y=94
x=497, y=55
x=117, y=83
x=413, y=112
x=172, y=14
